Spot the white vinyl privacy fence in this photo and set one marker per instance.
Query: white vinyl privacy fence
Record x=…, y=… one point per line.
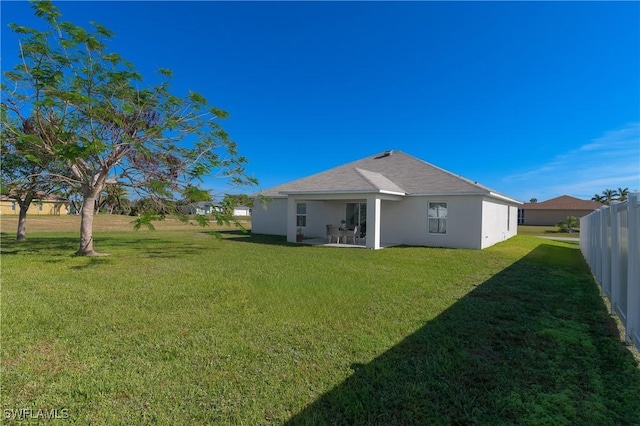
x=610, y=242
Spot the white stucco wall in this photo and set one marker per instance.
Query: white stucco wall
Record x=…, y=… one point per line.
x=270, y=218
x=406, y=222
x=320, y=214
x=242, y=211
x=473, y=221
x=495, y=227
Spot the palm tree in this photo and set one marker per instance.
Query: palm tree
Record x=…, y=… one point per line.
x=598, y=198
x=622, y=194
x=114, y=199
x=609, y=195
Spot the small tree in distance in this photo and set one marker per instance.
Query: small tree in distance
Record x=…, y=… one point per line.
x=72, y=99
x=623, y=193
x=25, y=177
x=570, y=224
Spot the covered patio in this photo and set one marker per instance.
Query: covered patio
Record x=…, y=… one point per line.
x=311, y=212
x=323, y=242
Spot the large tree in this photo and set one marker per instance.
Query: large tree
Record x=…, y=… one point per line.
x=75, y=100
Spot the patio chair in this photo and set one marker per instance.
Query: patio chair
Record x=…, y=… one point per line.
x=334, y=232
x=351, y=233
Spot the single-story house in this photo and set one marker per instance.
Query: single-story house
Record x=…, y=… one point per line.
x=550, y=212
x=242, y=211
x=200, y=207
x=45, y=205
x=393, y=199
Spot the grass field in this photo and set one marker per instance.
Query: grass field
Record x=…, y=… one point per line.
x=180, y=327
x=545, y=231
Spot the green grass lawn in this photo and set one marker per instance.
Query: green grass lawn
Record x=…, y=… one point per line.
x=548, y=231
x=180, y=327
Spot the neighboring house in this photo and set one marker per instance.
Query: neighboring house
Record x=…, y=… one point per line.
x=201, y=207
x=394, y=199
x=557, y=209
x=242, y=211
x=47, y=205
x=208, y=207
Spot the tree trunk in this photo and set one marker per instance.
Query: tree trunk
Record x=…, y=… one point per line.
x=22, y=222
x=86, y=226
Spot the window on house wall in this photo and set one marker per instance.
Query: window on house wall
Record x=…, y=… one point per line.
x=301, y=215
x=39, y=207
x=520, y=217
x=13, y=205
x=437, y=218
x=508, y=218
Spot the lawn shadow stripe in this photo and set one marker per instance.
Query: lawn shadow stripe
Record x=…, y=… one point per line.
x=59, y=246
x=533, y=344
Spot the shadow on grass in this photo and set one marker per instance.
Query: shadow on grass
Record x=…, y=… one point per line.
x=36, y=245
x=534, y=344
x=242, y=237
x=65, y=246
x=93, y=262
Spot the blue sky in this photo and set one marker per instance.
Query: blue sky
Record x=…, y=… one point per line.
x=533, y=99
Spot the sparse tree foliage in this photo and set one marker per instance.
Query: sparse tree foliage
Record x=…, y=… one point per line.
x=234, y=200
x=71, y=99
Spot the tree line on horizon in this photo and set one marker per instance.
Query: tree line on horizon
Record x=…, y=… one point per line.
x=609, y=195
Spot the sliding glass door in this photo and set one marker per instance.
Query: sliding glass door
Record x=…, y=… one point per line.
x=357, y=216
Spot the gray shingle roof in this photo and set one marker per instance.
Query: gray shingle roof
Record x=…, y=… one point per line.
x=378, y=181
x=396, y=172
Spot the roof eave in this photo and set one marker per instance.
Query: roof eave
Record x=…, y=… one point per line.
x=343, y=191
x=467, y=193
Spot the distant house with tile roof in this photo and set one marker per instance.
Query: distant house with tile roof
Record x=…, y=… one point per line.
x=552, y=211
x=393, y=198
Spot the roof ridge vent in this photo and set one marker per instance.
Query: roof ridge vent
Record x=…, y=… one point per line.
x=388, y=153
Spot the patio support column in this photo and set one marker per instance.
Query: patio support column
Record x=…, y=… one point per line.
x=291, y=218
x=373, y=221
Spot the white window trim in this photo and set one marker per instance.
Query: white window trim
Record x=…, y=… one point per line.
x=446, y=219
x=301, y=215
